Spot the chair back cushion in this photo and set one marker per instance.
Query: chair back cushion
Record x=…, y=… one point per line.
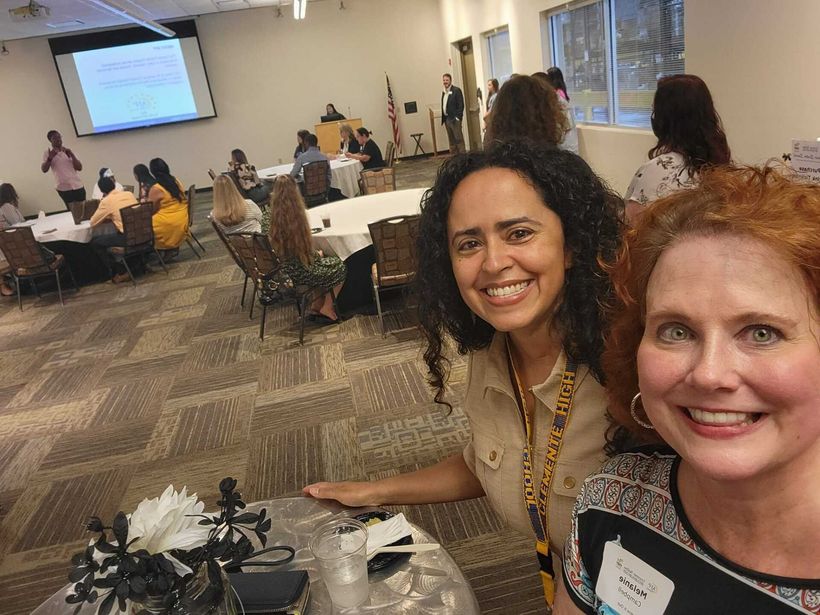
x=378, y=180
x=316, y=178
x=137, y=226
x=275, y=285
x=228, y=245
x=24, y=255
x=394, y=240
x=262, y=266
x=83, y=210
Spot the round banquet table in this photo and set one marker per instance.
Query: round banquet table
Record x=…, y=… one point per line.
x=348, y=232
x=429, y=583
x=349, y=238
x=344, y=174
x=58, y=233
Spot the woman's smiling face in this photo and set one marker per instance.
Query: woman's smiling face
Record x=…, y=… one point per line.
x=507, y=251
x=729, y=363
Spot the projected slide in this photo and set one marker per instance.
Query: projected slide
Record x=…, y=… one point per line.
x=135, y=85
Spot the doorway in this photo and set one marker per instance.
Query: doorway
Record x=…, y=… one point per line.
x=472, y=105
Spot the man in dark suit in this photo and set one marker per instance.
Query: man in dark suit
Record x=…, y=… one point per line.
x=452, y=110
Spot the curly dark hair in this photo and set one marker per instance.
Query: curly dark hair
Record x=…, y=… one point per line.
x=526, y=107
x=590, y=215
x=685, y=121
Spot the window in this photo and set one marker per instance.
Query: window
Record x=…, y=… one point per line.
x=499, y=58
x=612, y=53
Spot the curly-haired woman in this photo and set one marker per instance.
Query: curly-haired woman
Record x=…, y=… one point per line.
x=526, y=108
x=690, y=139
x=511, y=244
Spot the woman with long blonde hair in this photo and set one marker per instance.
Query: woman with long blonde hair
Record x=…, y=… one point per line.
x=290, y=239
x=233, y=213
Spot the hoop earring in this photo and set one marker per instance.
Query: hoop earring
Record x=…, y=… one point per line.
x=643, y=423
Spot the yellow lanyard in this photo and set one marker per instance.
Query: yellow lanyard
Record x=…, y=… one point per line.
x=538, y=507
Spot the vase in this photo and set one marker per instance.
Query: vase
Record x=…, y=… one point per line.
x=199, y=597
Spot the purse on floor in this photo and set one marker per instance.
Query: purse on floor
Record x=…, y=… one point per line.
x=273, y=287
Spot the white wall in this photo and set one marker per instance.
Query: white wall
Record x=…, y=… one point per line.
x=272, y=76
x=269, y=77
x=758, y=57
x=761, y=60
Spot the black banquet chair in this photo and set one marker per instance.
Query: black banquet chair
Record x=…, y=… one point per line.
x=139, y=236
x=28, y=260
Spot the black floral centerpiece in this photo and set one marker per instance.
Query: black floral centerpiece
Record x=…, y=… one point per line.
x=167, y=556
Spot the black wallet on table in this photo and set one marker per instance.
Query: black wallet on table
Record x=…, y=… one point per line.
x=282, y=592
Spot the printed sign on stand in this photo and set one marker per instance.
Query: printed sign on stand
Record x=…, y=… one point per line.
x=806, y=159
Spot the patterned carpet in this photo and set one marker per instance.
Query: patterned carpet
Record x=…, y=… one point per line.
x=109, y=399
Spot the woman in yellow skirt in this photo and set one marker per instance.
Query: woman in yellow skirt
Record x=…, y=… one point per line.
x=170, y=219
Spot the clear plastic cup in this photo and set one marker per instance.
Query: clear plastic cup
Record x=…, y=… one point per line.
x=340, y=549
x=326, y=221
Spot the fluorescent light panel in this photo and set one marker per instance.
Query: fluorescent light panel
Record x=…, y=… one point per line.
x=116, y=9
x=299, y=9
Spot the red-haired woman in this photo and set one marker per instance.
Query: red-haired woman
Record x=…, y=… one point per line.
x=713, y=351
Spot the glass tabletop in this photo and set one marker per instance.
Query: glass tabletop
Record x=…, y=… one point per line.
x=428, y=582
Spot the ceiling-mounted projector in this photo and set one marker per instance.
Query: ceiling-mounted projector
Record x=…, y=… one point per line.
x=32, y=10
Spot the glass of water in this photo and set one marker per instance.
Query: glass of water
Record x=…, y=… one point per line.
x=340, y=549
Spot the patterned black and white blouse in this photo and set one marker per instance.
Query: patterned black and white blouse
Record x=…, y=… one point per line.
x=660, y=177
x=633, y=501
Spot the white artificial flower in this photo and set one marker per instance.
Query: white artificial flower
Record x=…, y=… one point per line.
x=167, y=523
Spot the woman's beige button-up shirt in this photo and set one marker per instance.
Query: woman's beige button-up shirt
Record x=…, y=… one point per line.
x=498, y=437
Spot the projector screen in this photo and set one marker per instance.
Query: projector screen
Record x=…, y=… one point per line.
x=133, y=78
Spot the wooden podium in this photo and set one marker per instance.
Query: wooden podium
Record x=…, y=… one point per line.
x=328, y=134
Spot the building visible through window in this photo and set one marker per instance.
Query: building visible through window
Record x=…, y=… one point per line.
x=612, y=52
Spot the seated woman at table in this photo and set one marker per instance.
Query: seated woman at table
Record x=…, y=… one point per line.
x=145, y=181
x=114, y=199
x=9, y=206
x=690, y=140
x=510, y=252
x=247, y=177
x=104, y=172
x=331, y=115
x=526, y=107
x=301, y=146
x=714, y=351
x=9, y=216
x=231, y=212
x=349, y=143
x=170, y=219
x=369, y=153
x=290, y=238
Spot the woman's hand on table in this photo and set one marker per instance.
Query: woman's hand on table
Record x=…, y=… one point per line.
x=348, y=493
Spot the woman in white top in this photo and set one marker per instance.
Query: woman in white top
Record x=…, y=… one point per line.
x=104, y=172
x=556, y=80
x=9, y=215
x=690, y=138
x=233, y=213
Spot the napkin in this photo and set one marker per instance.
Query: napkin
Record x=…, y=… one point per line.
x=387, y=532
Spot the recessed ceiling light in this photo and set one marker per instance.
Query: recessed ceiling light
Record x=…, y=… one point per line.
x=66, y=24
x=227, y=5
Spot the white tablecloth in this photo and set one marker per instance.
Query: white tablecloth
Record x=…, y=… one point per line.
x=344, y=175
x=61, y=227
x=348, y=231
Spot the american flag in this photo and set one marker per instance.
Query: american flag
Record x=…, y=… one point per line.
x=391, y=113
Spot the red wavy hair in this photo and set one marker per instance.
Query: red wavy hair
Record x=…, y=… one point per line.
x=762, y=203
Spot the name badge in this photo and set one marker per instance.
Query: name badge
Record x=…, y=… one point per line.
x=630, y=586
